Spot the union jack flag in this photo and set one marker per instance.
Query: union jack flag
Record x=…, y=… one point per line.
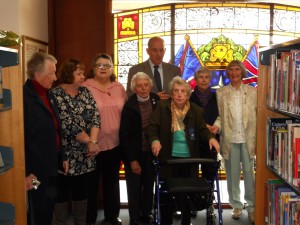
x=251, y=64
x=189, y=62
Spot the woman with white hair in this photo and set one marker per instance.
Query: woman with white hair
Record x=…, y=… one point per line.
x=237, y=103
x=175, y=131
x=137, y=155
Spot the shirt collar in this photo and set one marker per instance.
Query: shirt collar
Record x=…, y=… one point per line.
x=152, y=65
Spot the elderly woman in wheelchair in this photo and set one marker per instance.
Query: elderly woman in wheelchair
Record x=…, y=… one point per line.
x=176, y=129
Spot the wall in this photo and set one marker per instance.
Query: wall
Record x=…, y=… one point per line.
x=80, y=29
x=25, y=17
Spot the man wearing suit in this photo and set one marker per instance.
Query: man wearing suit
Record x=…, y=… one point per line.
x=164, y=72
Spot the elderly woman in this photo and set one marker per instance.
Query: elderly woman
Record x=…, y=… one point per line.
x=176, y=128
x=237, y=104
x=137, y=155
x=80, y=125
x=204, y=97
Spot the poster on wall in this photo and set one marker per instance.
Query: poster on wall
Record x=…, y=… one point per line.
x=31, y=46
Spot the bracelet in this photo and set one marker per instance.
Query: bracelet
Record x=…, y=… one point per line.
x=93, y=142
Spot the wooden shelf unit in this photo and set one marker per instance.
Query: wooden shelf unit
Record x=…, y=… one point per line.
x=263, y=172
x=12, y=188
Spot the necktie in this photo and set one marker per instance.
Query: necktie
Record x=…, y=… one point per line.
x=157, y=78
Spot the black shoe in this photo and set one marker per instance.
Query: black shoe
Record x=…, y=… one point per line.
x=134, y=222
x=116, y=221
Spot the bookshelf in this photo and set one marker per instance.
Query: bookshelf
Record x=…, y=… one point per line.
x=264, y=172
x=12, y=174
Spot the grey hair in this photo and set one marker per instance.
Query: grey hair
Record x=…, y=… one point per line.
x=180, y=81
x=37, y=63
x=239, y=64
x=202, y=70
x=137, y=76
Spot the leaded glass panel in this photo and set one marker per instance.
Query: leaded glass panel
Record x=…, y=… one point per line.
x=241, y=23
x=198, y=18
x=180, y=19
x=156, y=21
x=284, y=20
x=222, y=17
x=246, y=18
x=264, y=19
x=127, y=53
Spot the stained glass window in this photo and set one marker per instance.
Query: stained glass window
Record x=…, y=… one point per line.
x=203, y=29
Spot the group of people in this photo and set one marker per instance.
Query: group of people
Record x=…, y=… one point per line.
x=78, y=129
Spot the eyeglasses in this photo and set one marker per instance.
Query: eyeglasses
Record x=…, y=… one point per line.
x=103, y=66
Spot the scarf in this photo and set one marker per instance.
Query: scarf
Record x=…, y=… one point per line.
x=203, y=97
x=178, y=116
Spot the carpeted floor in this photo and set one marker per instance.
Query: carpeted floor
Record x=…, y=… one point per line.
x=200, y=219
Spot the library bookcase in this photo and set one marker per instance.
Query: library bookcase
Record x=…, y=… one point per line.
x=263, y=172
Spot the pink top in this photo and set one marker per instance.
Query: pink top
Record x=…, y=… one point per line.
x=110, y=105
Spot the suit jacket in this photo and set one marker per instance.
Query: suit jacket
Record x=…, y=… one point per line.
x=225, y=118
x=169, y=72
x=40, y=135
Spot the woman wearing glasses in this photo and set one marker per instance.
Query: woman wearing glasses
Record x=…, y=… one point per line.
x=110, y=97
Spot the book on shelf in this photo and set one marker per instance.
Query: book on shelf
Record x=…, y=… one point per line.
x=277, y=77
x=296, y=155
x=270, y=197
x=283, y=80
x=284, y=194
x=295, y=81
x=270, y=72
x=291, y=210
x=283, y=148
x=281, y=151
x=290, y=176
x=281, y=203
x=273, y=125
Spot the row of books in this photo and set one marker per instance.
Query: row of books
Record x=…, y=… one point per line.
x=283, y=148
x=284, y=81
x=283, y=205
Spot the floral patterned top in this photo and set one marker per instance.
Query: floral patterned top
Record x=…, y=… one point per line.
x=76, y=113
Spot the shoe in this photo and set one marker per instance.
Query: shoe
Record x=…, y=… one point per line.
x=251, y=217
x=134, y=222
x=236, y=213
x=116, y=221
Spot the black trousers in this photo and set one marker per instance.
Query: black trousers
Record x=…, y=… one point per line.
x=74, y=187
x=41, y=202
x=107, y=168
x=140, y=187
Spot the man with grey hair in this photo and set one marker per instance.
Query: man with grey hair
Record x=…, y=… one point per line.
x=160, y=72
